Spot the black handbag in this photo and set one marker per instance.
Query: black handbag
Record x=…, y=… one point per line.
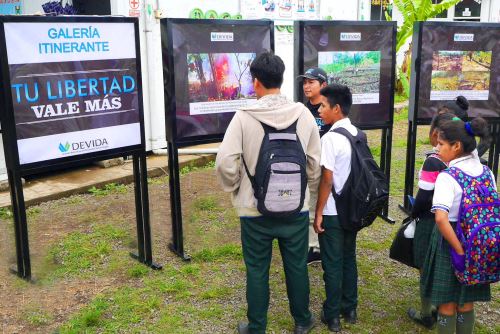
x=402, y=247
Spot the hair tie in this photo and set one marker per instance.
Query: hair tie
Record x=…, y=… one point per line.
x=468, y=128
x=456, y=119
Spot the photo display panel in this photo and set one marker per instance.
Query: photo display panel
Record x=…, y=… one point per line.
x=459, y=59
x=74, y=88
x=359, y=56
x=211, y=69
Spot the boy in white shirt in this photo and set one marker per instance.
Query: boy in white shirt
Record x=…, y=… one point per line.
x=338, y=245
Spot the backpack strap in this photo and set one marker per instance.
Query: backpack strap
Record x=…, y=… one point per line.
x=352, y=140
x=279, y=134
x=250, y=177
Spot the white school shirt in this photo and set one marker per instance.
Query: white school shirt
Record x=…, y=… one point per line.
x=336, y=153
x=448, y=193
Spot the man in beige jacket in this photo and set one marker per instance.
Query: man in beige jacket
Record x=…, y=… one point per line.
x=243, y=138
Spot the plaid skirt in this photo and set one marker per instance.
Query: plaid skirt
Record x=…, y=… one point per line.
x=421, y=239
x=438, y=281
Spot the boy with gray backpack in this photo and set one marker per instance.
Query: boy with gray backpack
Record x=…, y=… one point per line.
x=269, y=155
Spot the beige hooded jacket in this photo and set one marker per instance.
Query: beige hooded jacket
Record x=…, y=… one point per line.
x=244, y=136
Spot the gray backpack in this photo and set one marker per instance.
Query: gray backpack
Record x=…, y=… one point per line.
x=280, y=178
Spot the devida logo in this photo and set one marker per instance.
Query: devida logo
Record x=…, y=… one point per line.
x=221, y=37
x=350, y=36
x=85, y=145
x=64, y=148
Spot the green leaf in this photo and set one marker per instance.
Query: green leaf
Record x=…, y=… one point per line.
x=387, y=16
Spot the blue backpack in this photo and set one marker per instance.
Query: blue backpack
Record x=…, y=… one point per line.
x=477, y=229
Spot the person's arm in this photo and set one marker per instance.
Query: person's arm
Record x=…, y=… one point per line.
x=228, y=160
x=325, y=188
x=426, y=182
x=313, y=152
x=444, y=195
x=447, y=231
x=423, y=202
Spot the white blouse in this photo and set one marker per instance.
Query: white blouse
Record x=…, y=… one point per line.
x=447, y=191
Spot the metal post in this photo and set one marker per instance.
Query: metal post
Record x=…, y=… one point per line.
x=177, y=245
x=491, y=150
x=145, y=253
x=410, y=164
x=385, y=165
x=20, y=226
x=496, y=153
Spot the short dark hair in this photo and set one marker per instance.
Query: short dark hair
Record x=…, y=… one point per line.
x=338, y=94
x=269, y=69
x=455, y=131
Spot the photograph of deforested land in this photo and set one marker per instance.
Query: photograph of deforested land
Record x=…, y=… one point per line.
x=219, y=76
x=460, y=71
x=359, y=70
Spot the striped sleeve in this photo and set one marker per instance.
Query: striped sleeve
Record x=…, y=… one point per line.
x=429, y=172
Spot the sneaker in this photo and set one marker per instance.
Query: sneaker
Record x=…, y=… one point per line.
x=313, y=256
x=428, y=321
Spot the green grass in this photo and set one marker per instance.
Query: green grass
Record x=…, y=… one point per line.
x=192, y=168
x=161, y=180
x=207, y=295
x=5, y=213
x=110, y=188
x=218, y=253
x=37, y=316
x=401, y=116
x=86, y=253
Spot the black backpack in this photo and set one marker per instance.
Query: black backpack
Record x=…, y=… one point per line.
x=280, y=178
x=366, y=190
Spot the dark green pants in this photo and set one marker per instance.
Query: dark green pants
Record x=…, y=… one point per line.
x=257, y=235
x=338, y=259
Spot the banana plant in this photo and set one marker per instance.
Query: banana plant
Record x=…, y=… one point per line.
x=413, y=11
x=416, y=10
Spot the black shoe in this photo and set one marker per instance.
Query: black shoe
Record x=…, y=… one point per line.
x=313, y=256
x=350, y=317
x=243, y=328
x=428, y=321
x=333, y=324
x=304, y=329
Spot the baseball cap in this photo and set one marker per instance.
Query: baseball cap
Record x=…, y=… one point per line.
x=315, y=73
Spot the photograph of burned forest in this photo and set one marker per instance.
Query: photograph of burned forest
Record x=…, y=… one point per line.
x=461, y=71
x=219, y=76
x=359, y=70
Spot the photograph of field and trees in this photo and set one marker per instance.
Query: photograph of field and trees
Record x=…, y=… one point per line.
x=359, y=70
x=219, y=76
x=460, y=71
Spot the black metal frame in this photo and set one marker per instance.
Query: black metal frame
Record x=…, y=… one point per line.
x=173, y=144
x=414, y=121
x=15, y=170
x=386, y=127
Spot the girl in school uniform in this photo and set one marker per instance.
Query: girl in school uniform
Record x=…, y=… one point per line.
x=422, y=209
x=456, y=144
